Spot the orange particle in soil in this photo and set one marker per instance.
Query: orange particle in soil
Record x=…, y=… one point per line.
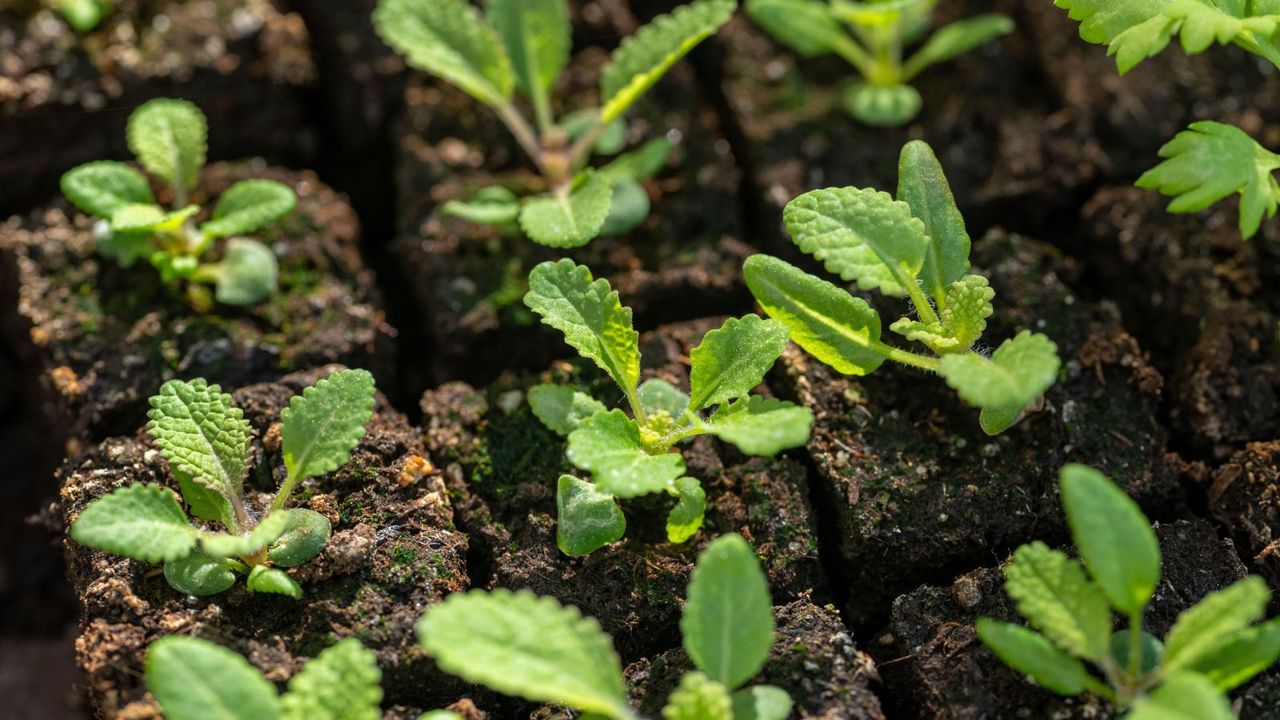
x=415, y=468
x=65, y=381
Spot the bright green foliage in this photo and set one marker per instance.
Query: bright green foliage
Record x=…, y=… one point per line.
x=84, y=15
x=588, y=518
x=169, y=138
x=206, y=441
x=914, y=246
x=635, y=455
x=761, y=702
x=698, y=697
x=341, y=683
x=727, y=622
x=524, y=45
x=1212, y=647
x=871, y=36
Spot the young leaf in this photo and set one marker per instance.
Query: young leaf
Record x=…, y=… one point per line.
x=201, y=433
x=494, y=205
x=761, y=702
x=727, y=622
x=808, y=27
x=1201, y=628
x=536, y=34
x=586, y=519
x=170, y=138
x=955, y=39
x=303, y=538
x=143, y=522
x=100, y=188
x=923, y=186
x=247, y=274
x=638, y=165
x=761, y=426
x=325, y=423
x=659, y=395
x=562, y=409
x=136, y=217
x=248, y=206
x=1236, y=658
x=961, y=321
x=1018, y=372
x=224, y=545
x=199, y=575
x=1183, y=696
x=590, y=315
x=608, y=445
x=204, y=503
x=645, y=57
x=194, y=679
x=628, y=208
x=341, y=683
x=1052, y=592
x=263, y=579
x=698, y=697
x=686, y=517
x=829, y=323
x=1031, y=654
x=1114, y=538
x=451, y=39
x=1210, y=161
x=531, y=647
x=568, y=219
x=733, y=359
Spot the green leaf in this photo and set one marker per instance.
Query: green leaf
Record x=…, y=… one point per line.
x=1219, y=614
x=170, y=138
x=204, y=503
x=325, y=423
x=1237, y=657
x=304, y=537
x=1210, y=161
x=83, y=15
x=628, y=208
x=1183, y=696
x=135, y=217
x=523, y=645
x=143, y=522
x=961, y=321
x=194, y=679
x=440, y=715
x=341, y=683
x=247, y=274
x=732, y=360
x=590, y=316
x=698, y=697
x=1019, y=371
x=263, y=579
x=493, y=205
x=562, y=409
x=861, y=235
x=568, y=219
x=657, y=395
x=835, y=327
x=451, y=39
x=223, y=545
x=248, y=206
x=201, y=433
x=608, y=445
x=956, y=39
x=536, y=34
x=100, y=188
x=1031, y=654
x=728, y=619
x=126, y=248
x=1052, y=592
x=1114, y=538
x=686, y=517
x=199, y=575
x=808, y=27
x=586, y=519
x=882, y=105
x=641, y=60
x=761, y=702
x=638, y=165
x=761, y=426
x=923, y=186
x=612, y=139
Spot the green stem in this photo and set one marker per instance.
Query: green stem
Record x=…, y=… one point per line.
x=522, y=132
x=1096, y=687
x=854, y=54
x=905, y=357
x=923, y=307
x=1135, y=645
x=240, y=518
x=282, y=495
x=581, y=149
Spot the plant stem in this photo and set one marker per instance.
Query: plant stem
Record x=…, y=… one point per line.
x=521, y=130
x=240, y=518
x=854, y=54
x=581, y=149
x=921, y=301
x=1135, y=644
x=282, y=495
x=905, y=357
x=1096, y=687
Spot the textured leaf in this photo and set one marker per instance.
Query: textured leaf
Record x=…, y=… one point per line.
x=641, y=60
x=608, y=445
x=170, y=138
x=727, y=622
x=325, y=423
x=536, y=34
x=247, y=274
x=451, y=39
x=223, y=545
x=201, y=433
x=143, y=522
x=204, y=503
x=1113, y=536
x=1210, y=161
x=562, y=409
x=568, y=220
x=134, y=217
x=1052, y=592
x=194, y=679
x=657, y=395
x=1031, y=654
x=341, y=683
x=304, y=537
x=1199, y=629
x=1019, y=371
x=761, y=426
x=861, y=235
x=698, y=697
x=923, y=186
x=586, y=519
x=808, y=27
x=961, y=321
x=590, y=316
x=248, y=206
x=829, y=323
x=629, y=207
x=733, y=359
x=1239, y=656
x=1183, y=696
x=638, y=165
x=199, y=575
x=494, y=205
x=686, y=517
x=761, y=702
x=100, y=188
x=523, y=645
x=263, y=579
x=957, y=38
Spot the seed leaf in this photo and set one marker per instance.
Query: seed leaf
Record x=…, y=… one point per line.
x=100, y=188
x=451, y=39
x=199, y=575
x=698, y=697
x=728, y=619
x=304, y=536
x=325, y=423
x=562, y=409
x=1052, y=592
x=961, y=321
x=686, y=517
x=923, y=186
x=628, y=208
x=263, y=579
x=733, y=359
x=761, y=426
x=170, y=138
x=1183, y=696
x=201, y=433
x=143, y=522
x=608, y=445
x=224, y=545
x=586, y=519
x=1017, y=373
x=808, y=27
x=494, y=205
x=536, y=34
x=1031, y=654
x=1201, y=628
x=341, y=683
x=568, y=220
x=761, y=702
x=248, y=206
x=247, y=274
x=194, y=679
x=1237, y=657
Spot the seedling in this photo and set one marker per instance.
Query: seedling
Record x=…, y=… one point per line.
x=84, y=15
x=169, y=139
x=532, y=647
x=523, y=45
x=206, y=441
x=1209, y=161
x=871, y=37
x=915, y=246
x=636, y=455
x=1212, y=648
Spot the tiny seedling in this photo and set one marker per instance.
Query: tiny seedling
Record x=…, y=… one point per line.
x=636, y=455
x=1212, y=647
x=915, y=246
x=206, y=441
x=532, y=647
x=84, y=15
x=169, y=139
x=1209, y=161
x=871, y=36
x=524, y=45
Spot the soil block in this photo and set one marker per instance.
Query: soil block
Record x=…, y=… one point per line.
x=246, y=63
x=1244, y=498
x=394, y=551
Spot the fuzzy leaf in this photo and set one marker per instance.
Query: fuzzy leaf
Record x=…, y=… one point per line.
x=659, y=395
x=761, y=426
x=832, y=325
x=199, y=575
x=1201, y=628
x=957, y=38
x=808, y=27
x=341, y=683
x=100, y=188
x=1017, y=373
x=1183, y=696
x=143, y=522
x=590, y=316
x=562, y=409
x=304, y=537
x=201, y=433
x=136, y=217
x=170, y=138
x=568, y=220
x=923, y=186
x=195, y=679
x=961, y=321
x=204, y=503
x=640, y=164
x=1052, y=592
x=536, y=34
x=645, y=57
x=586, y=519
x=247, y=274
x=698, y=697
x=761, y=702
x=727, y=622
x=1237, y=657
x=224, y=545
x=248, y=206
x=325, y=423
x=263, y=579
x=1210, y=161
x=523, y=645
x=686, y=517
x=608, y=445
x=732, y=360
x=1031, y=654
x=494, y=205
x=451, y=39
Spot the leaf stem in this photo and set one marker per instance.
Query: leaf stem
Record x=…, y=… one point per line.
x=522, y=131
x=240, y=518
x=921, y=301
x=1135, y=644
x=906, y=357
x=282, y=495
x=1096, y=687
x=581, y=148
